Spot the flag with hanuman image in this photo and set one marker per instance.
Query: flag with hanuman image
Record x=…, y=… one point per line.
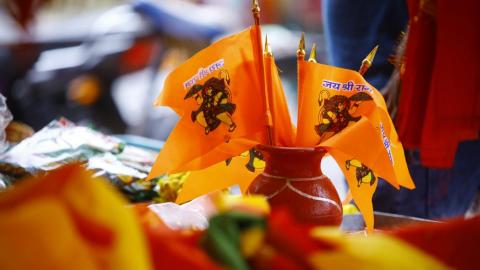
x=241, y=170
x=342, y=112
x=218, y=95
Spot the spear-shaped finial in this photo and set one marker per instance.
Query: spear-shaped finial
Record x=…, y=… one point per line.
x=301, y=48
x=367, y=62
x=256, y=12
x=313, y=54
x=267, y=50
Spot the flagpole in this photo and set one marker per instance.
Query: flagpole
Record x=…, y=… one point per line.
x=259, y=53
x=300, y=58
x=267, y=52
x=367, y=62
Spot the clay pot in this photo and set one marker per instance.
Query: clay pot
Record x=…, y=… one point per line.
x=293, y=179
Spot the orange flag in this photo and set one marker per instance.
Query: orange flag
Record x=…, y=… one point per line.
x=218, y=95
x=239, y=170
x=331, y=98
x=334, y=100
x=343, y=113
x=361, y=179
x=242, y=169
x=284, y=130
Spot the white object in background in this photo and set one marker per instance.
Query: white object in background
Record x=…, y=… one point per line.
x=5, y=118
x=331, y=169
x=191, y=215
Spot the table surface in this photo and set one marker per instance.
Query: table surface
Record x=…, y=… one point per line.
x=383, y=221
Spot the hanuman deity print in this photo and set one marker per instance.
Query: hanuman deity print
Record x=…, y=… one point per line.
x=215, y=104
x=255, y=160
x=337, y=112
x=363, y=174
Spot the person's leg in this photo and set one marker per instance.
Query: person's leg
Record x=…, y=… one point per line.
x=452, y=191
x=439, y=193
x=405, y=201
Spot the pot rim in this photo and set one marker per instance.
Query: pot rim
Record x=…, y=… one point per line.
x=276, y=148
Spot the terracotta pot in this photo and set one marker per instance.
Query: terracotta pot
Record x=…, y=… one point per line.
x=293, y=179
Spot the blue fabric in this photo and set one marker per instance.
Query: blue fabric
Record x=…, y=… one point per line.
x=352, y=28
x=165, y=21
x=440, y=193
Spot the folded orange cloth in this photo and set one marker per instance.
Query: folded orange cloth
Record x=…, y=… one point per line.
x=68, y=219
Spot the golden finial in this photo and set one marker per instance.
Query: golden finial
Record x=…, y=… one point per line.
x=267, y=50
x=367, y=62
x=313, y=54
x=371, y=55
x=301, y=47
x=256, y=12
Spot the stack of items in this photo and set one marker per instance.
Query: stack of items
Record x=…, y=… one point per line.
x=62, y=142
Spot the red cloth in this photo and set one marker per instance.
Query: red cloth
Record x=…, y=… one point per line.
x=440, y=99
x=454, y=242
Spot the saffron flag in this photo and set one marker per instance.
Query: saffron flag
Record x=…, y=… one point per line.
x=239, y=170
x=283, y=129
x=343, y=113
x=331, y=99
x=242, y=169
x=218, y=95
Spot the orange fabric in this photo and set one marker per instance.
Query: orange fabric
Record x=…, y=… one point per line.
x=217, y=177
x=283, y=129
x=362, y=193
x=221, y=175
x=345, y=114
x=67, y=219
x=402, y=174
x=230, y=114
x=375, y=141
x=312, y=78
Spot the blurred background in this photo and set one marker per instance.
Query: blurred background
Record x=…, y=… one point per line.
x=102, y=63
